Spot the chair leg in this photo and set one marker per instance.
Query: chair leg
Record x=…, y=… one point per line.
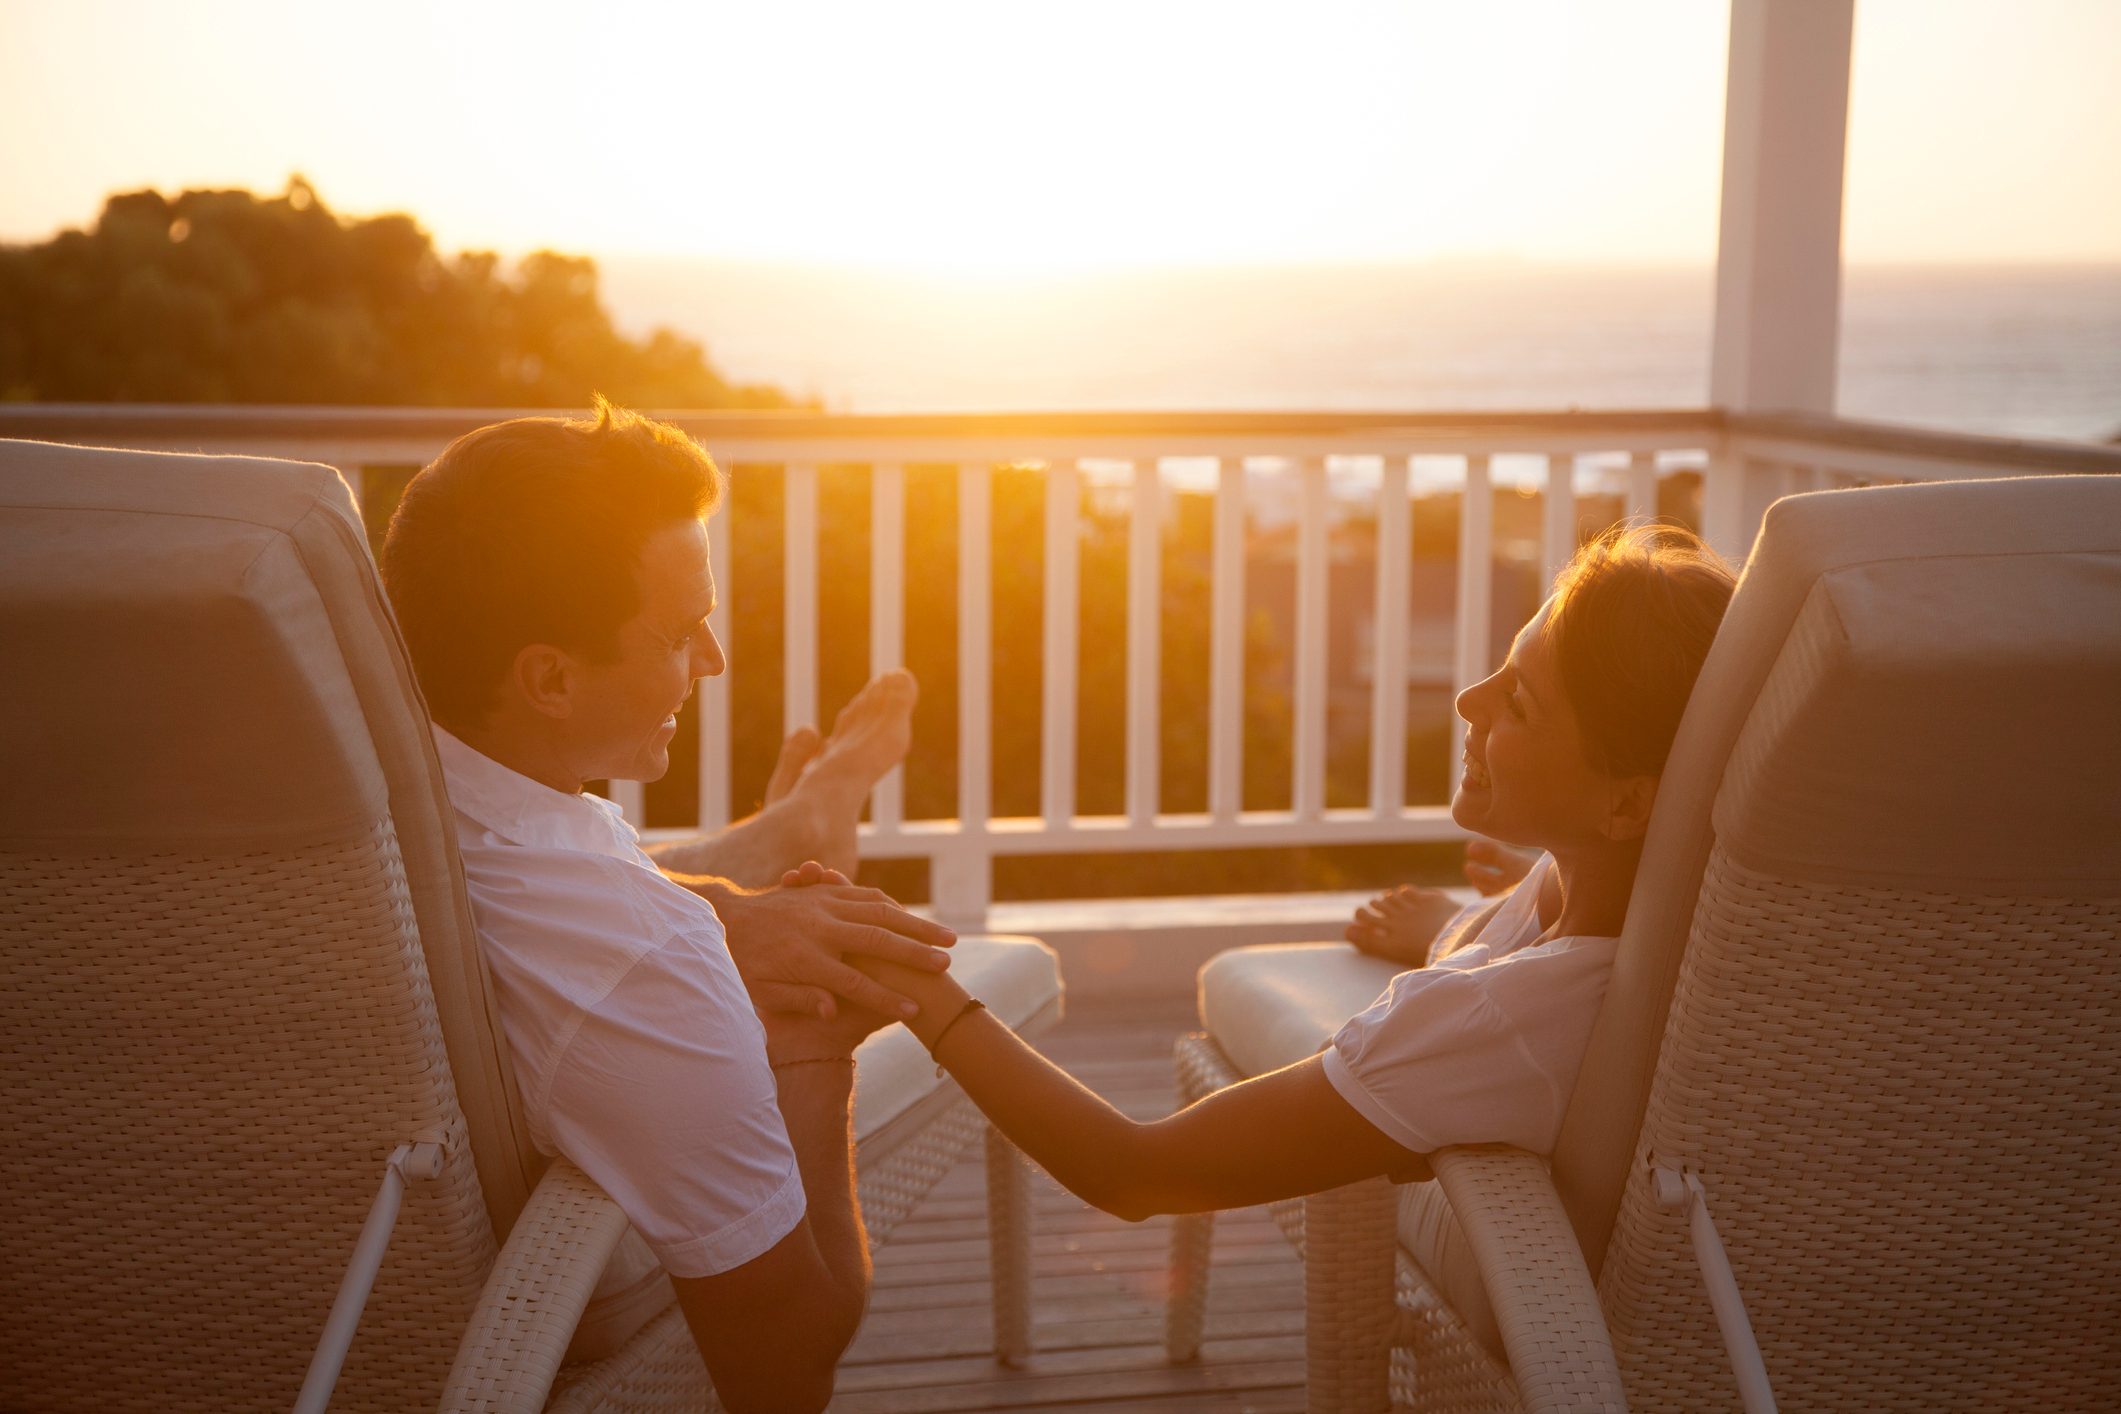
x=1350, y=1312
x=1009, y=1246
x=1186, y=1307
x=1201, y=1070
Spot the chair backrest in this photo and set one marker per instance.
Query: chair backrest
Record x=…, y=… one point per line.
x=1894, y=1030
x=236, y=964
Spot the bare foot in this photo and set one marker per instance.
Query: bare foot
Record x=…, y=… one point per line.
x=871, y=735
x=797, y=752
x=1399, y=924
x=814, y=797
x=1492, y=867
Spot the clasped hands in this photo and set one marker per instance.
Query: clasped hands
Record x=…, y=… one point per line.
x=793, y=945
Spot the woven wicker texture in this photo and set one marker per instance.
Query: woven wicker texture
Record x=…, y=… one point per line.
x=208, y=1059
x=1374, y=1335
x=1535, y=1277
x=1902, y=1107
x=535, y=1294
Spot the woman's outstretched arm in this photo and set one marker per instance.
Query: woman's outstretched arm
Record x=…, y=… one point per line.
x=1275, y=1136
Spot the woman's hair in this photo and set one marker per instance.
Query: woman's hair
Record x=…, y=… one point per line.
x=530, y=531
x=1634, y=613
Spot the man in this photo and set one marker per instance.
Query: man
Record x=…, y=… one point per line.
x=683, y=1033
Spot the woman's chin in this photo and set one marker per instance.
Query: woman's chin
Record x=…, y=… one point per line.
x=1468, y=806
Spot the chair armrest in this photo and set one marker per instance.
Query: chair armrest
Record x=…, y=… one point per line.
x=1545, y=1304
x=535, y=1296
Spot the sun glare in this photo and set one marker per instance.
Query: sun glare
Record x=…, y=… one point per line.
x=984, y=140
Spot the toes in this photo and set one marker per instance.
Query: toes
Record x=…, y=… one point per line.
x=797, y=752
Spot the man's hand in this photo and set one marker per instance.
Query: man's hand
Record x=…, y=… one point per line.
x=789, y=943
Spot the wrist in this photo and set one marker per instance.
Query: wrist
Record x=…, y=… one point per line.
x=941, y=1000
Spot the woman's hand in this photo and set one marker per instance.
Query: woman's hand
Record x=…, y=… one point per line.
x=1400, y=924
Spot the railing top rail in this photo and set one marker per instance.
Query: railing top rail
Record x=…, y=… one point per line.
x=439, y=424
x=2030, y=454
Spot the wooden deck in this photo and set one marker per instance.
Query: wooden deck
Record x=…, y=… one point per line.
x=1097, y=1283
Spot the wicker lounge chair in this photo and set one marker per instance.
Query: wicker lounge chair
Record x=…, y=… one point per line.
x=1864, y=1024
x=239, y=987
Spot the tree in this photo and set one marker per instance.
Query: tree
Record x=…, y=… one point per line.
x=226, y=296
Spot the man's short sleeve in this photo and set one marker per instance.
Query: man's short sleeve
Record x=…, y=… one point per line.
x=663, y=1096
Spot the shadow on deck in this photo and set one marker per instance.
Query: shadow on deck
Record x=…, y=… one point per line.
x=1097, y=1283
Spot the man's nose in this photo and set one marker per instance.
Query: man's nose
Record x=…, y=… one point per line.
x=708, y=660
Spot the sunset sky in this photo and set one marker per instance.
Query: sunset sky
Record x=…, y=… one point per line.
x=982, y=136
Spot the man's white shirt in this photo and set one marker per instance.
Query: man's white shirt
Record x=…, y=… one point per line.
x=635, y=1044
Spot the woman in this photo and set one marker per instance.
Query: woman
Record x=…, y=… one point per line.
x=1564, y=747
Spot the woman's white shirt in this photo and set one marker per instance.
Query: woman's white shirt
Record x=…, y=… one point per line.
x=1482, y=1045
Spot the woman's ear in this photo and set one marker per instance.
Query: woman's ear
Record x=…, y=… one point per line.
x=544, y=677
x=1628, y=809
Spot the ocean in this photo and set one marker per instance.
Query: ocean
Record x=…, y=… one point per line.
x=2014, y=351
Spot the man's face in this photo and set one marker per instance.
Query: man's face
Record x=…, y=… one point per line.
x=625, y=712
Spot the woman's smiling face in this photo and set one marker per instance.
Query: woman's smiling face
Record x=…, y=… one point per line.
x=1528, y=779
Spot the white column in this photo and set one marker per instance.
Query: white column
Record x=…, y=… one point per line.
x=1778, y=253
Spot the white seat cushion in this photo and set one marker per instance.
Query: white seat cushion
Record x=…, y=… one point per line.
x=1280, y=1003
x=1019, y=980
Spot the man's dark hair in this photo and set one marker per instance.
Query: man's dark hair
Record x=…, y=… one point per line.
x=530, y=531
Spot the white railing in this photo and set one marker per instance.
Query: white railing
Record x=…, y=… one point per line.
x=1308, y=460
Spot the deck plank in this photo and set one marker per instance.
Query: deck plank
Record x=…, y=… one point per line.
x=1098, y=1283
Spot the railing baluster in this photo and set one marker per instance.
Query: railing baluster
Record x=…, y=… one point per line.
x=711, y=704
x=1309, y=747
x=1388, y=686
x=1057, y=720
x=1144, y=647
x=799, y=597
x=1560, y=528
x=632, y=799
x=887, y=614
x=1226, y=646
x=1642, y=486
x=1476, y=558
x=975, y=608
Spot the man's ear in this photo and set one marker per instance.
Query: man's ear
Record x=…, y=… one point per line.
x=544, y=677
x=1628, y=812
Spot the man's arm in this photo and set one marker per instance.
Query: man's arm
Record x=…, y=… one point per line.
x=772, y=1331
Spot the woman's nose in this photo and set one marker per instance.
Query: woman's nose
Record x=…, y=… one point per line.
x=1471, y=703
